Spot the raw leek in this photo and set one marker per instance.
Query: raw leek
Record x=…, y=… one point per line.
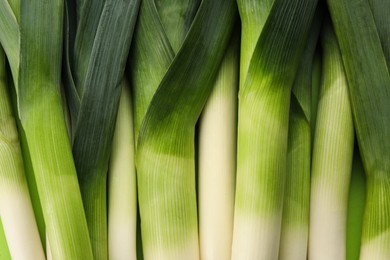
x=98, y=38
x=217, y=161
x=122, y=188
x=295, y=221
x=165, y=155
x=369, y=91
x=332, y=157
x=15, y=204
x=37, y=84
x=263, y=112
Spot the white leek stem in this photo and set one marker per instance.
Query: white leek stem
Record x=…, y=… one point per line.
x=332, y=158
x=122, y=207
x=19, y=222
x=217, y=162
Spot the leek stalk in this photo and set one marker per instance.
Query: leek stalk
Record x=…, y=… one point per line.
x=165, y=155
x=369, y=91
x=264, y=102
x=15, y=204
x=97, y=46
x=295, y=221
x=217, y=161
x=37, y=84
x=332, y=157
x=122, y=188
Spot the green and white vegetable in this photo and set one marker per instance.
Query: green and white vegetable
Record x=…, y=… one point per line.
x=98, y=40
x=134, y=129
x=263, y=112
x=332, y=157
x=166, y=138
x=295, y=220
x=122, y=184
x=217, y=161
x=369, y=91
x=35, y=33
x=16, y=210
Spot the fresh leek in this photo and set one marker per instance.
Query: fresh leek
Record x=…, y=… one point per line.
x=98, y=37
x=15, y=204
x=165, y=155
x=37, y=83
x=217, y=161
x=369, y=91
x=332, y=157
x=122, y=189
x=263, y=112
x=295, y=221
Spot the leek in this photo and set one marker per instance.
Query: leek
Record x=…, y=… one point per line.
x=264, y=101
x=217, y=161
x=122, y=189
x=165, y=155
x=37, y=84
x=369, y=91
x=29, y=172
x=332, y=157
x=357, y=197
x=295, y=222
x=15, y=205
x=97, y=45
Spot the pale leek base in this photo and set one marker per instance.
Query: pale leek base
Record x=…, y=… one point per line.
x=256, y=237
x=122, y=197
x=216, y=193
x=217, y=162
x=19, y=223
x=294, y=239
x=327, y=227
